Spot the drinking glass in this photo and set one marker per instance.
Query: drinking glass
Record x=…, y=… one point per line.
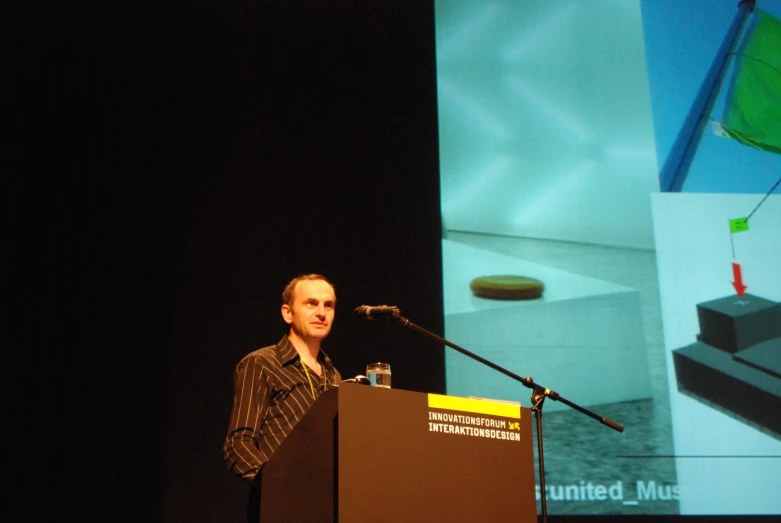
x=379, y=374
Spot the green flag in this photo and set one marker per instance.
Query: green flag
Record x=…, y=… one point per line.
x=753, y=112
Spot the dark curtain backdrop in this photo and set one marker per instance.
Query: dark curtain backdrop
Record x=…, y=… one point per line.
x=167, y=168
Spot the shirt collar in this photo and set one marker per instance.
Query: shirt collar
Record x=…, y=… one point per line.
x=288, y=353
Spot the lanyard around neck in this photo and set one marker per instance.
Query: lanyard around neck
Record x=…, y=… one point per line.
x=309, y=379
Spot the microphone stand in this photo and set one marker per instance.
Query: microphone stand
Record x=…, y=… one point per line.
x=539, y=393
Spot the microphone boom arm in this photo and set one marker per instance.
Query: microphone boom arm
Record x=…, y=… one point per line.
x=527, y=382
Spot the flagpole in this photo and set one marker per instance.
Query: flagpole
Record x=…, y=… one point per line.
x=676, y=167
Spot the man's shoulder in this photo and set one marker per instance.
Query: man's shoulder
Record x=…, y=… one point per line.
x=262, y=356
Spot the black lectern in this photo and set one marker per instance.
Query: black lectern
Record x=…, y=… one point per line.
x=386, y=455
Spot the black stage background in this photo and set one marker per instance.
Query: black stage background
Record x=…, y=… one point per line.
x=167, y=167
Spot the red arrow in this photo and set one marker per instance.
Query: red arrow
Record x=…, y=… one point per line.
x=738, y=283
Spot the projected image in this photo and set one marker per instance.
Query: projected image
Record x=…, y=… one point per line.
x=555, y=120
x=722, y=328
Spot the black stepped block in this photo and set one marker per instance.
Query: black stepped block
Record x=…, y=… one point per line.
x=765, y=356
x=733, y=324
x=742, y=391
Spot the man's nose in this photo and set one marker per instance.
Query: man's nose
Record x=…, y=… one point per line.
x=320, y=310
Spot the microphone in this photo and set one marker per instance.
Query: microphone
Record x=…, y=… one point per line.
x=370, y=312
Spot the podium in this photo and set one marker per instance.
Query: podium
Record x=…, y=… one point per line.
x=386, y=455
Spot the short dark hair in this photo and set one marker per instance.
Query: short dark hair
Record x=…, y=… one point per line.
x=287, y=294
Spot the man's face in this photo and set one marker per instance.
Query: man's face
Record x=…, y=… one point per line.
x=311, y=313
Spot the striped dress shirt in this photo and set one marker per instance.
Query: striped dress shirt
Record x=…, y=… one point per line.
x=271, y=395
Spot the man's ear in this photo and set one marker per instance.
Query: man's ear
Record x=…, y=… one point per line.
x=287, y=314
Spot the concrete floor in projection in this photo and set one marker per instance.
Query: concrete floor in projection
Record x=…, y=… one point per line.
x=577, y=446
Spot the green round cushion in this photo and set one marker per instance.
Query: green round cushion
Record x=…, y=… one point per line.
x=507, y=287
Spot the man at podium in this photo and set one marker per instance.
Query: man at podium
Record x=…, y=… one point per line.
x=276, y=385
